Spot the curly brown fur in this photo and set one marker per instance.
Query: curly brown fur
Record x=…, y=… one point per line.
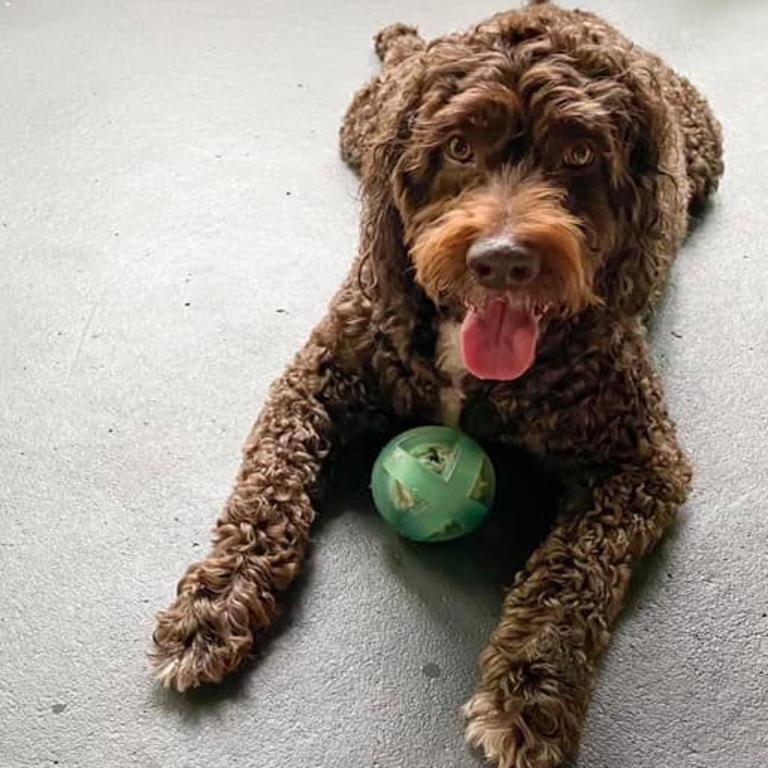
x=589, y=152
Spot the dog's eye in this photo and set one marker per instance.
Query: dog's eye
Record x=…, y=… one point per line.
x=458, y=149
x=579, y=155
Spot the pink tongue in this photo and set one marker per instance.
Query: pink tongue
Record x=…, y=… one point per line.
x=499, y=342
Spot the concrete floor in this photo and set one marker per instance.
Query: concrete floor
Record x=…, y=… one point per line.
x=173, y=220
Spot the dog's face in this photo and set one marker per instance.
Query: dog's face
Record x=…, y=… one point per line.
x=525, y=177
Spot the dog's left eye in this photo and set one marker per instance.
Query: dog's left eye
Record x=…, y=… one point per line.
x=579, y=155
x=458, y=149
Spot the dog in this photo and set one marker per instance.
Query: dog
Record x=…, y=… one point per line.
x=525, y=186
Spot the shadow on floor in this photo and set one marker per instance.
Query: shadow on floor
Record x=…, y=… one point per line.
x=522, y=514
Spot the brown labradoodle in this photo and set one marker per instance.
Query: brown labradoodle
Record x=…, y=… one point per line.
x=526, y=184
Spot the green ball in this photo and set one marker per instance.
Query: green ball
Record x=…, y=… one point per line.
x=433, y=484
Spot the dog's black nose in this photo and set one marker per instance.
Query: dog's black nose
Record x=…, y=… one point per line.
x=500, y=262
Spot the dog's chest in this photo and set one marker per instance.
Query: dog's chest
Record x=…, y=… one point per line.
x=449, y=363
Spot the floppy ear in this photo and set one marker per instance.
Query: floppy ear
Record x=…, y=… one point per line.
x=401, y=314
x=382, y=246
x=383, y=253
x=651, y=199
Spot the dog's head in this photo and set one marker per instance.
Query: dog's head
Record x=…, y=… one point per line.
x=519, y=176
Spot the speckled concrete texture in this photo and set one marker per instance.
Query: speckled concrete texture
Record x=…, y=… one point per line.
x=173, y=219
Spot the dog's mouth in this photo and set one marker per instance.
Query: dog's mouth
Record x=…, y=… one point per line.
x=499, y=337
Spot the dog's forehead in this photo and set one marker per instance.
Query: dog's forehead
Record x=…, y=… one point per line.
x=488, y=80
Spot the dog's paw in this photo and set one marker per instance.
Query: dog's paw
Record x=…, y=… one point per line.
x=208, y=630
x=194, y=642
x=515, y=733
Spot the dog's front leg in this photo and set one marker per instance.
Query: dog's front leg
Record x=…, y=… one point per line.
x=536, y=673
x=260, y=538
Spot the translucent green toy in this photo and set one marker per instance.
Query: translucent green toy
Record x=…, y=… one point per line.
x=433, y=484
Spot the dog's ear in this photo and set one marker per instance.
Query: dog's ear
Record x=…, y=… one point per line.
x=400, y=310
x=382, y=247
x=651, y=203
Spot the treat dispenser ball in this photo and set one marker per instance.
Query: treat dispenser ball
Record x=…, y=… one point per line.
x=433, y=484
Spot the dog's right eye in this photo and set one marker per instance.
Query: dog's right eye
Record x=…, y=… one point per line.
x=458, y=148
x=579, y=155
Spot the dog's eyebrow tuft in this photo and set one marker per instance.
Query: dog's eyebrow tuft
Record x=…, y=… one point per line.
x=482, y=111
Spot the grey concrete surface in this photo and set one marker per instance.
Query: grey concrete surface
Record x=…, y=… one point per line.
x=173, y=220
